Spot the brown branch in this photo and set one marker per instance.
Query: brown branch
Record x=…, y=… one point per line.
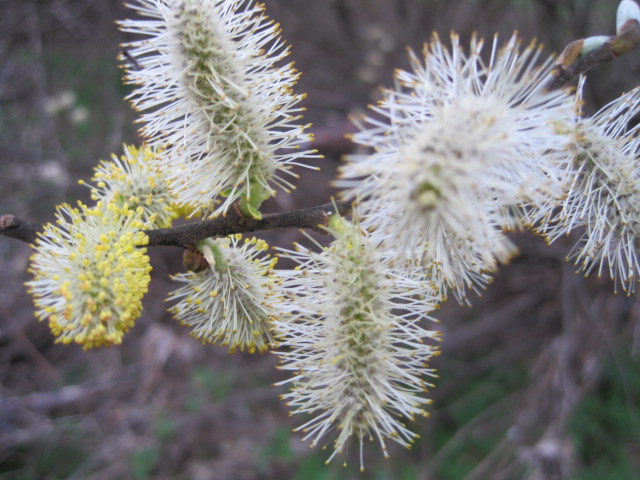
x=189, y=234
x=571, y=64
x=563, y=74
x=14, y=227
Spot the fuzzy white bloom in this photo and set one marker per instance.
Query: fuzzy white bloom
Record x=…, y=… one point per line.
x=231, y=301
x=627, y=10
x=90, y=273
x=354, y=339
x=134, y=178
x=458, y=145
x=215, y=99
x=604, y=195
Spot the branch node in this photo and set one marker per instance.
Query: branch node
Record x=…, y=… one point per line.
x=7, y=221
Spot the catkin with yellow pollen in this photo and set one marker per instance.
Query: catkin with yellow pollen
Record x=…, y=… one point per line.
x=90, y=273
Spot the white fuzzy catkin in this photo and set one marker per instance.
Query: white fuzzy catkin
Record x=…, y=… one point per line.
x=353, y=337
x=603, y=194
x=458, y=145
x=216, y=99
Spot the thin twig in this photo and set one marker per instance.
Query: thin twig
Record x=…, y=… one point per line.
x=189, y=234
x=567, y=70
x=13, y=227
x=564, y=74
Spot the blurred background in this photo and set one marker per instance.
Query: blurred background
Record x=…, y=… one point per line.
x=539, y=379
